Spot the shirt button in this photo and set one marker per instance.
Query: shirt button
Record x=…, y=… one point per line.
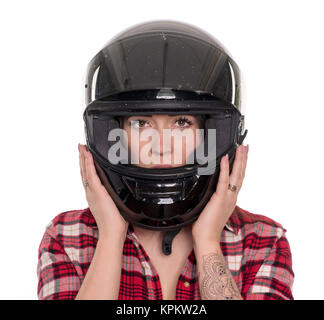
x=186, y=284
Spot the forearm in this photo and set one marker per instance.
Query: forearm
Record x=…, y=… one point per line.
x=215, y=279
x=102, y=280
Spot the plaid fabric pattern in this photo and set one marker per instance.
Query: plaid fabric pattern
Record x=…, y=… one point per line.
x=255, y=248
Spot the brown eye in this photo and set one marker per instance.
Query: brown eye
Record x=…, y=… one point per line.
x=183, y=122
x=138, y=123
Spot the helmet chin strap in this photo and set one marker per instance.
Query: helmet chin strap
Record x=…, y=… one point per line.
x=167, y=241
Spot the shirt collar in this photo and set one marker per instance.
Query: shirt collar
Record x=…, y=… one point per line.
x=229, y=227
x=233, y=223
x=131, y=233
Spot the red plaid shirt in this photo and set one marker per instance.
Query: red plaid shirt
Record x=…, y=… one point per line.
x=254, y=246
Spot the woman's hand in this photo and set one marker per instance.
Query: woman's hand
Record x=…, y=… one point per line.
x=210, y=223
x=103, y=208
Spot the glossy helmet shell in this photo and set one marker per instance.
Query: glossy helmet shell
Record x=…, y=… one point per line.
x=162, y=67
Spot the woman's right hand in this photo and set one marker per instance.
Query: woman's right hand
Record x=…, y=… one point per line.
x=102, y=206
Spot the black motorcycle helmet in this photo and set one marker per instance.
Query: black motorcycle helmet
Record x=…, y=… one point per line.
x=162, y=67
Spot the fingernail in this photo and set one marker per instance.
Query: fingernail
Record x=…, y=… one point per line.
x=79, y=147
x=85, y=153
x=247, y=148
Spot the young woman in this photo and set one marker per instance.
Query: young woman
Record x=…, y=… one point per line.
x=225, y=252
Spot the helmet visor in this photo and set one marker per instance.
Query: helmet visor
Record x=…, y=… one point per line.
x=114, y=145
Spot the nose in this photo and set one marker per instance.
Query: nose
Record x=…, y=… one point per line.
x=163, y=146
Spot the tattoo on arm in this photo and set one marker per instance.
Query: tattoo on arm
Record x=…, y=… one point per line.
x=218, y=283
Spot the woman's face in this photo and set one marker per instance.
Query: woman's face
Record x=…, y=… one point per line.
x=161, y=141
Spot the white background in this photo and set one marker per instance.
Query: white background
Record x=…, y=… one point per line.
x=45, y=48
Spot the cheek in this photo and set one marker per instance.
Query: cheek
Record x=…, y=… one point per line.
x=132, y=145
x=185, y=145
x=188, y=147
x=141, y=145
x=136, y=145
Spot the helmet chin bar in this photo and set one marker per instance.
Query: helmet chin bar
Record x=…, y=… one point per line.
x=161, y=192
x=163, y=210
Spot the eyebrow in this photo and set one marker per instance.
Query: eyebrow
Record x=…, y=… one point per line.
x=150, y=116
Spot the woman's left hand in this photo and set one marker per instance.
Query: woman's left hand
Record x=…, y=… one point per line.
x=210, y=223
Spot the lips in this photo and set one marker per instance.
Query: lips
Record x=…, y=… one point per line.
x=161, y=166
